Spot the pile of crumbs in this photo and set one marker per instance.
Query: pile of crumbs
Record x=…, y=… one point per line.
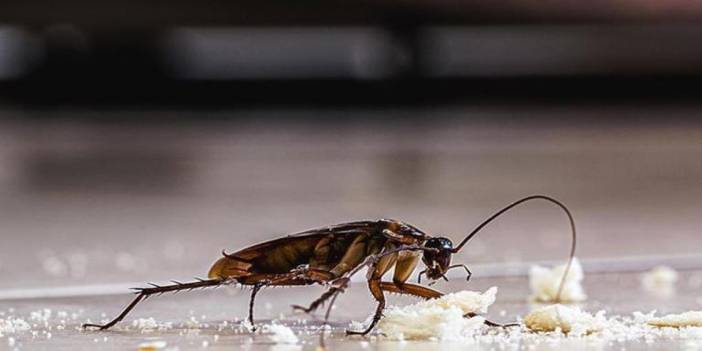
x=38, y=324
x=280, y=334
x=682, y=320
x=13, y=325
x=442, y=320
x=437, y=319
x=569, y=320
x=545, y=282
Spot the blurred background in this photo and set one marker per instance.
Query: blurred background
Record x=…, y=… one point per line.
x=139, y=139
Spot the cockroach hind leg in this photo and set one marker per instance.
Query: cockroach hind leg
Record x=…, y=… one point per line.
x=144, y=293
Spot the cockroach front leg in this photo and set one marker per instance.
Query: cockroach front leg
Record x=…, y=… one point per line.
x=374, y=286
x=411, y=289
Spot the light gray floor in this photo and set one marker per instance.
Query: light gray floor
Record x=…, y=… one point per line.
x=101, y=206
x=615, y=293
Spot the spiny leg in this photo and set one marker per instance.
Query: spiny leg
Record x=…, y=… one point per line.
x=337, y=287
x=404, y=265
x=411, y=289
x=377, y=269
x=318, y=302
x=378, y=264
x=377, y=287
x=256, y=288
x=295, y=277
x=146, y=292
x=353, y=257
x=374, y=286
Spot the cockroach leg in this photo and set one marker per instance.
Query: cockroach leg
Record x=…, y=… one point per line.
x=144, y=293
x=318, y=302
x=256, y=288
x=491, y=323
x=374, y=286
x=468, y=272
x=419, y=276
x=411, y=289
x=337, y=287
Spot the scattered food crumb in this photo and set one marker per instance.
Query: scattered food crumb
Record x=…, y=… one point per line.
x=438, y=319
x=545, y=283
x=145, y=324
x=682, y=320
x=13, y=325
x=569, y=320
x=152, y=345
x=660, y=281
x=280, y=334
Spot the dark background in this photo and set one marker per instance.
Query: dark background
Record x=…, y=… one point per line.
x=213, y=54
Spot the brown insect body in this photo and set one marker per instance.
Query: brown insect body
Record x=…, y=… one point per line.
x=331, y=255
x=301, y=257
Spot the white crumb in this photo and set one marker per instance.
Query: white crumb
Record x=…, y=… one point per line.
x=152, y=345
x=280, y=334
x=569, y=320
x=438, y=319
x=13, y=325
x=42, y=315
x=544, y=283
x=660, y=281
x=145, y=324
x=192, y=323
x=682, y=320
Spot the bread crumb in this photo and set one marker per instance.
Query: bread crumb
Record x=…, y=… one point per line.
x=13, y=325
x=544, y=283
x=152, y=345
x=438, y=319
x=280, y=334
x=145, y=324
x=660, y=281
x=569, y=320
x=682, y=320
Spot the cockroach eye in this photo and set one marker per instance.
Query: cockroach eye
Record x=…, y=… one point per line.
x=439, y=243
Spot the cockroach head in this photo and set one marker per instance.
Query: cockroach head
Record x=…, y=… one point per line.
x=438, y=260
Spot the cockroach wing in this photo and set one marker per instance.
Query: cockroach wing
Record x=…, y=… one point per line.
x=287, y=253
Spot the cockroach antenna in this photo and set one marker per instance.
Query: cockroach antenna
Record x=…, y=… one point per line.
x=516, y=203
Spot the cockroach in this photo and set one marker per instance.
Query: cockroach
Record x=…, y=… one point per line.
x=331, y=255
